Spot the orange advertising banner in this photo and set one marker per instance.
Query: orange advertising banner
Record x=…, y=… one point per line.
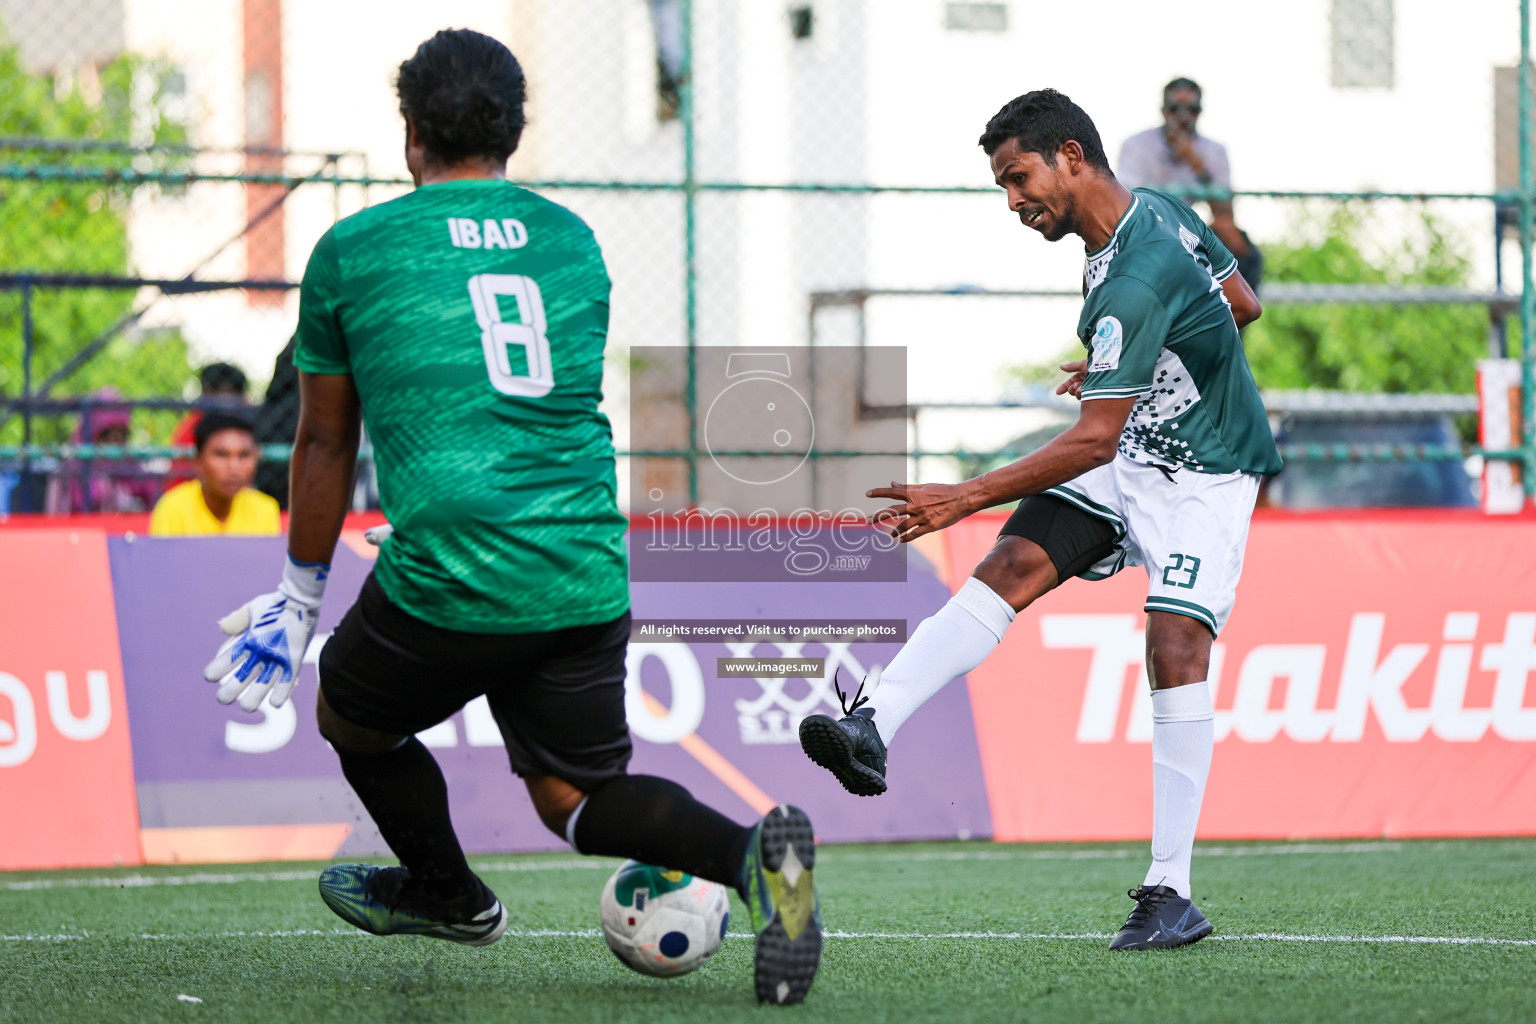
x=1375, y=679
x=66, y=772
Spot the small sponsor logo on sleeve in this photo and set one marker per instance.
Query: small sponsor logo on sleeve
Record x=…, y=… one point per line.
x=1108, y=339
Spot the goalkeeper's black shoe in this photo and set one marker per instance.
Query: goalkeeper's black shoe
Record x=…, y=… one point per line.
x=1162, y=920
x=387, y=901
x=849, y=747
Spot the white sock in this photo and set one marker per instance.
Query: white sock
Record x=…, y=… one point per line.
x=1183, y=735
x=949, y=644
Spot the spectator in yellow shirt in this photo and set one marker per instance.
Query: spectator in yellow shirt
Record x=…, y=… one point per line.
x=220, y=500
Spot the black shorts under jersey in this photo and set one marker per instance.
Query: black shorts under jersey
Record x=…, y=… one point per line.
x=1074, y=539
x=558, y=696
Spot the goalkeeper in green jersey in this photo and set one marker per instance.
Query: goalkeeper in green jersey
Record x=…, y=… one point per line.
x=466, y=321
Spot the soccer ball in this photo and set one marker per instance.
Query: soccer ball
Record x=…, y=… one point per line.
x=662, y=923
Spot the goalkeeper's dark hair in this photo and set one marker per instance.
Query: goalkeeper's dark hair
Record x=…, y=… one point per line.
x=215, y=422
x=464, y=92
x=1043, y=121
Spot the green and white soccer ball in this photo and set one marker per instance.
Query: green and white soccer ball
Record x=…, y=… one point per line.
x=662, y=923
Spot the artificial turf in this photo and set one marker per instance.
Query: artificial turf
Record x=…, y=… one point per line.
x=257, y=945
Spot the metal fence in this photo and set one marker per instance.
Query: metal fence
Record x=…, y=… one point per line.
x=758, y=175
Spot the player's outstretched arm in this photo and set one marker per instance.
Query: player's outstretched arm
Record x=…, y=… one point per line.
x=1088, y=443
x=269, y=635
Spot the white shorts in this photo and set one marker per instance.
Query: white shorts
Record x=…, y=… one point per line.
x=1189, y=529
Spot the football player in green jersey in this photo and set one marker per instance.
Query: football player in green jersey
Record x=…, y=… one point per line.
x=466, y=321
x=1161, y=469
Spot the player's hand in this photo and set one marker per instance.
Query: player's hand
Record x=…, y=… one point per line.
x=268, y=638
x=1073, y=385
x=923, y=509
x=377, y=535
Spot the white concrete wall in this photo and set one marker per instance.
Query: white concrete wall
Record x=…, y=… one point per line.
x=1265, y=72
x=174, y=229
x=881, y=93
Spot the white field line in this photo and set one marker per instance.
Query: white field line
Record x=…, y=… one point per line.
x=140, y=881
x=1439, y=940
x=833, y=854
x=592, y=933
x=239, y=877
x=1201, y=850
x=1428, y=940
x=570, y=864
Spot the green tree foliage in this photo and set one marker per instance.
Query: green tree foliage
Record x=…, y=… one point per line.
x=58, y=226
x=1368, y=347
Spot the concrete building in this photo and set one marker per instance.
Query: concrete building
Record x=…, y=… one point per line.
x=1314, y=95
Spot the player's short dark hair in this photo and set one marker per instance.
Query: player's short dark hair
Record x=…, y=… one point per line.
x=464, y=92
x=1182, y=85
x=1043, y=121
x=222, y=377
x=214, y=422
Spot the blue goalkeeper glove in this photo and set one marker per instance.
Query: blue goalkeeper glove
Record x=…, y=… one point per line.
x=268, y=639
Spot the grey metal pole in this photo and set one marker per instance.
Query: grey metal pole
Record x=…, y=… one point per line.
x=1527, y=232
x=88, y=435
x=26, y=361
x=690, y=255
x=26, y=391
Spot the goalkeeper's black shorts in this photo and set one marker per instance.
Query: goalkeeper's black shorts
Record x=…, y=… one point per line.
x=558, y=696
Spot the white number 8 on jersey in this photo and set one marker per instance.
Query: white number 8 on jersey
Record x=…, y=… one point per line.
x=496, y=337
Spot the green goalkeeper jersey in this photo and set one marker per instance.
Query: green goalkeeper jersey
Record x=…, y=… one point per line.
x=472, y=316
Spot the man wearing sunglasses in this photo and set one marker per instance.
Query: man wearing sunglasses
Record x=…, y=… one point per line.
x=1177, y=158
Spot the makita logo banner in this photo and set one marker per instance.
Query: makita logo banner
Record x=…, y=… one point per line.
x=1378, y=677
x=1275, y=690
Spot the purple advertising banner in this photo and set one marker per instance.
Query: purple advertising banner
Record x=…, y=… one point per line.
x=211, y=778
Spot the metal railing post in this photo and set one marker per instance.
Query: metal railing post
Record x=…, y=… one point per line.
x=1527, y=108
x=1527, y=231
x=26, y=360
x=333, y=161
x=690, y=255
x=87, y=435
x=26, y=487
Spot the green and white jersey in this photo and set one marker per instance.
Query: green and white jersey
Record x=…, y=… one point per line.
x=1158, y=328
x=472, y=316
